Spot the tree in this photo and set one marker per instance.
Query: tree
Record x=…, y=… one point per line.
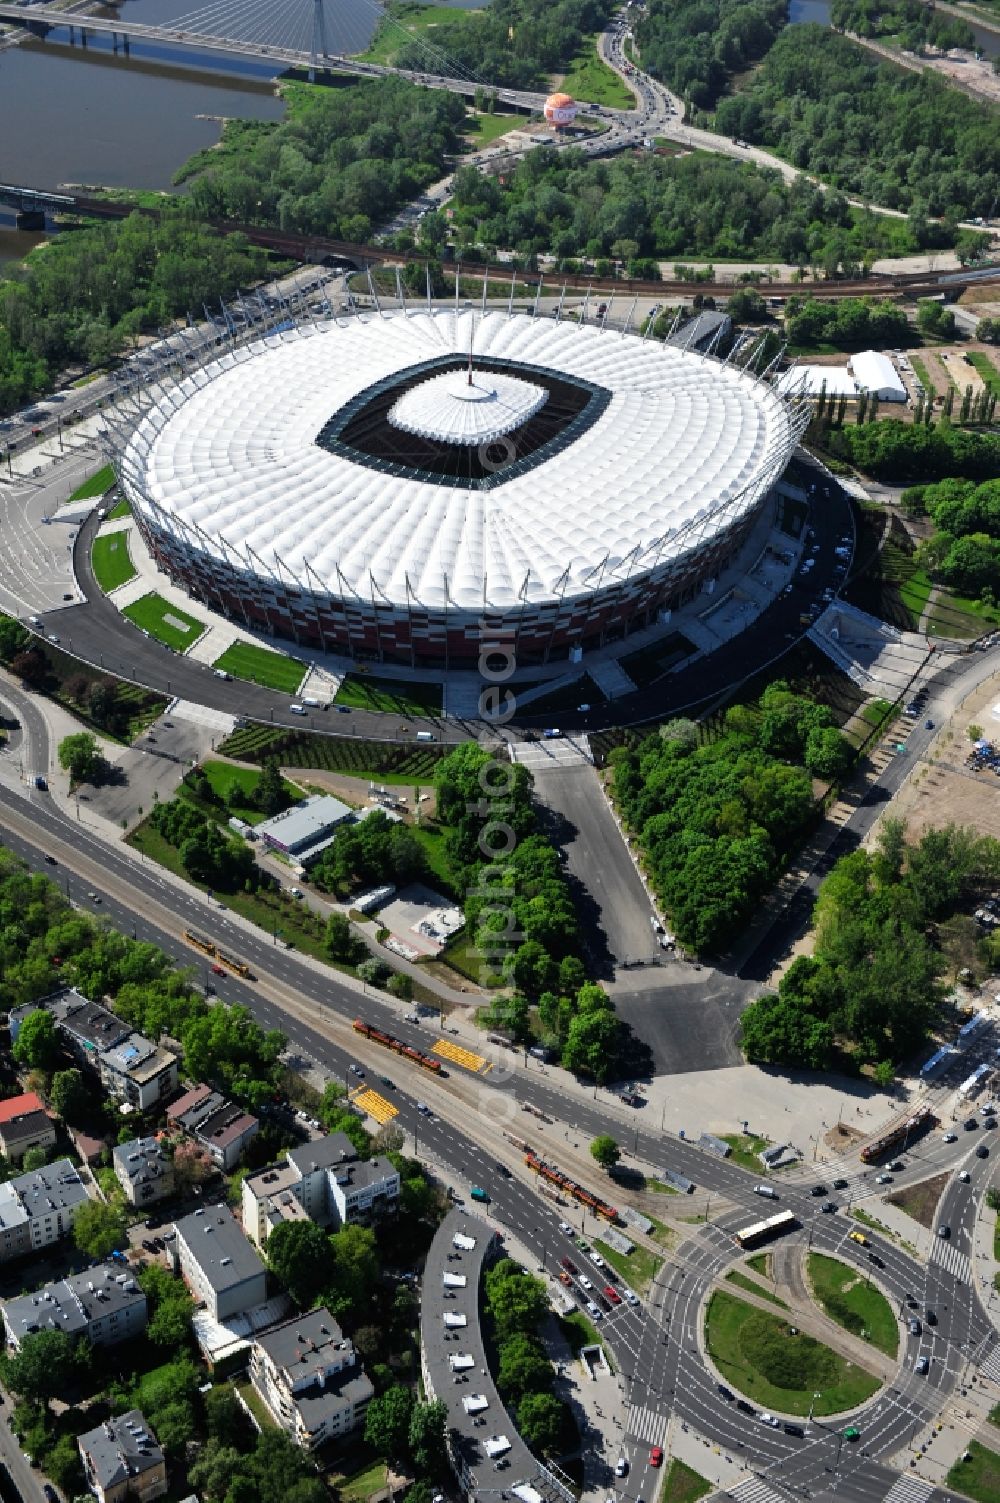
x=523, y=1366
x=63, y=1465
x=81, y=757
x=43, y=1367
x=606, y=1151
x=426, y=1438
x=69, y=1096
x=517, y=1301
x=340, y=941
x=35, y=1158
x=540, y=1421
x=387, y=1423
x=884, y=1073
x=98, y=1230
x=170, y=1307
x=400, y=985
x=270, y=796
x=36, y=1045
x=192, y=1165
x=299, y=1255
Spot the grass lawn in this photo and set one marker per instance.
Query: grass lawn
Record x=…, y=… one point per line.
x=979, y=1477
x=95, y=485
x=459, y=955
x=853, y=1303
x=578, y=1331
x=590, y=79
x=745, y=1148
x=150, y=614
x=270, y=911
x=223, y=777
x=867, y=1219
x=681, y=1484
x=956, y=616
x=480, y=130
x=920, y=1200
x=123, y=509
x=986, y=370
x=639, y=1267
x=922, y=375
x=756, y=1353
x=359, y=1485
x=255, y=1404
x=760, y=1263
x=752, y=1286
x=392, y=696
x=432, y=841
x=262, y=666
x=415, y=19
x=111, y=562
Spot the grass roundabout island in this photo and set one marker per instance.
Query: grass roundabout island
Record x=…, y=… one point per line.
x=765, y=1357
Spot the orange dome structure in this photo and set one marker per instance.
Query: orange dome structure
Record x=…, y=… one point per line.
x=560, y=109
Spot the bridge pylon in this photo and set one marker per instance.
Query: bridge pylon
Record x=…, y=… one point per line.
x=318, y=54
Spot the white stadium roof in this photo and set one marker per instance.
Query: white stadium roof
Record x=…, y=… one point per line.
x=232, y=455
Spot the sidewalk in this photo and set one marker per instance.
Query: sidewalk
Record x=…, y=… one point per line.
x=984, y=1265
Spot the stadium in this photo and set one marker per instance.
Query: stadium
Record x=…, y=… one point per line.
x=393, y=487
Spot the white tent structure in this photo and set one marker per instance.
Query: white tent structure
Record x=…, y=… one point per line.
x=812, y=380
x=876, y=374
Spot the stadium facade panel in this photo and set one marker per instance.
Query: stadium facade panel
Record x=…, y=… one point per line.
x=400, y=487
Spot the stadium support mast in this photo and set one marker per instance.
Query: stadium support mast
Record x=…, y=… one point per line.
x=318, y=54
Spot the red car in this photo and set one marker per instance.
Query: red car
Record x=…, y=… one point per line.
x=612, y=1294
x=564, y=1278
x=218, y=970
x=569, y=1265
x=656, y=1456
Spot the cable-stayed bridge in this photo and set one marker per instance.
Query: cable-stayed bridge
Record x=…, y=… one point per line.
x=291, y=33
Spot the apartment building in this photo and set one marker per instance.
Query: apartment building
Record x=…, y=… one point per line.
x=39, y=1208
x=24, y=1124
x=218, y=1263
x=144, y=1170
x=103, y=1304
x=311, y=1379
x=122, y=1459
x=221, y=1128
x=129, y=1066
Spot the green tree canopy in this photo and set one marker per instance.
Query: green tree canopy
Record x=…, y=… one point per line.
x=605, y=1150
x=299, y=1255
x=387, y=1423
x=99, y=1229
x=36, y=1045
x=44, y=1366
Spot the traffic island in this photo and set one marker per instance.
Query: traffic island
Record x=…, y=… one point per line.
x=773, y=1362
x=850, y=1299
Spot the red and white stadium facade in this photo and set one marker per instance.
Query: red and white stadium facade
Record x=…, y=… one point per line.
x=364, y=488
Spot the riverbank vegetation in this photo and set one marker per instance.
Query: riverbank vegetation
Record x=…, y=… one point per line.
x=869, y=994
x=644, y=208
x=717, y=822
x=899, y=139
x=90, y=292
x=963, y=552
x=909, y=23
x=696, y=46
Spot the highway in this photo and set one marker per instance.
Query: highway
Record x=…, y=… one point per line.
x=658, y=1346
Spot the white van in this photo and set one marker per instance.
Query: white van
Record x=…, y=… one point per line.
x=297, y=709
x=425, y=736
x=766, y=1191
x=311, y=701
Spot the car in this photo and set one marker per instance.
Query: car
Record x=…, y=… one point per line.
x=53, y=637
x=630, y=1298
x=897, y=1166
x=840, y=1184
x=147, y=1245
x=944, y=1231
x=790, y=1429
x=769, y=1419
x=852, y=1433
x=596, y=1259
x=982, y=1152
x=569, y=1265
x=930, y=1317
x=49, y=1493
x=593, y=1311
x=612, y=1294
x=818, y=1190
x=859, y=1238
x=503, y=1171
x=883, y=1179
x=828, y=1206
x=159, y=1244
x=915, y=1328
x=656, y=1456
x=928, y=725
x=298, y=709
x=564, y=1278
x=356, y=1070
x=950, y=1137
x=964, y=1174
x=970, y=1124
x=727, y=1393
x=744, y=1407
x=218, y=970
x=873, y=1257
x=389, y=1084
x=94, y=897
x=921, y=1365
x=564, y=1226
x=50, y=861
x=295, y=892
x=585, y=1283
x=424, y=1111
x=621, y=1467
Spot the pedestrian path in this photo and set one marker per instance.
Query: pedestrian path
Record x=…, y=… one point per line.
x=951, y=1260
x=991, y=1365
x=755, y=1490
x=908, y=1489
x=647, y=1425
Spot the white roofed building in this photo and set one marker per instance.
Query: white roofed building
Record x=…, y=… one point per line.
x=875, y=373
x=364, y=487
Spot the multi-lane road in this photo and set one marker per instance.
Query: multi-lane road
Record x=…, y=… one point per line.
x=657, y=1346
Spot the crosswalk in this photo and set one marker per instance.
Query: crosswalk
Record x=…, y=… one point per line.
x=907, y=1489
x=991, y=1366
x=948, y=1257
x=374, y=1105
x=647, y=1425
x=754, y=1490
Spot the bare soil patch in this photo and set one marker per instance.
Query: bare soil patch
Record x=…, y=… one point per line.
x=920, y=1200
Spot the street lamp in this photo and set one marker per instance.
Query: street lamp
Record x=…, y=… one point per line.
x=812, y=1405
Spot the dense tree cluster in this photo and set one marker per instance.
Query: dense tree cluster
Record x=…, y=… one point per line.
x=340, y=163
x=696, y=46
x=910, y=22
x=405, y=1432
x=964, y=550
x=871, y=983
x=338, y=1269
x=513, y=43
x=648, y=207
x=271, y=795
x=717, y=821
x=900, y=139
x=516, y=1302
x=93, y=290
x=208, y=852
x=375, y=849
x=850, y=323
x=912, y=452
